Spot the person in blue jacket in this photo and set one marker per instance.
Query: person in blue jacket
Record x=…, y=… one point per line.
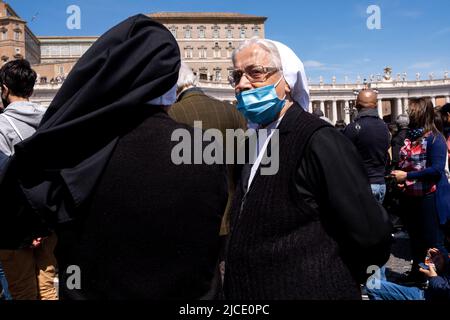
x=437, y=272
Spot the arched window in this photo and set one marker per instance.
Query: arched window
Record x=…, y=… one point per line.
x=216, y=48
x=216, y=29
x=201, y=32
x=173, y=30
x=242, y=32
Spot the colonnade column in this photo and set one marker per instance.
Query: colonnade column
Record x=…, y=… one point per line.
x=347, y=112
x=398, y=107
x=380, y=108
x=405, y=105
x=322, y=106
x=334, y=112
x=433, y=100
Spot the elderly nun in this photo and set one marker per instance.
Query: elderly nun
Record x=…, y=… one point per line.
x=310, y=230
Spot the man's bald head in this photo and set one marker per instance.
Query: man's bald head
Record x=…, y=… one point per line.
x=367, y=98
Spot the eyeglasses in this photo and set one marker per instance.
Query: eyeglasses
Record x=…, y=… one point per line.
x=253, y=73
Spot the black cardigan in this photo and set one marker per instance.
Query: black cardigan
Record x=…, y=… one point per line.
x=311, y=230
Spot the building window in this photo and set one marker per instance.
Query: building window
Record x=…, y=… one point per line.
x=55, y=51
x=61, y=70
x=45, y=51
x=17, y=50
x=84, y=48
x=256, y=29
x=187, y=32
x=216, y=49
x=230, y=72
x=202, y=52
x=173, y=30
x=4, y=35
x=16, y=36
x=188, y=53
x=215, y=32
x=217, y=75
x=65, y=51
x=242, y=32
x=201, y=32
x=229, y=29
x=203, y=74
x=75, y=50
x=229, y=49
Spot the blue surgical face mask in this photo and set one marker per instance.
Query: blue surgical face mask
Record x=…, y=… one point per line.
x=260, y=105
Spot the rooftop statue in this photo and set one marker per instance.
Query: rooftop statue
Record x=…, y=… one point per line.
x=387, y=74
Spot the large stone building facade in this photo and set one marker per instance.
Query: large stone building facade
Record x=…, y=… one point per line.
x=51, y=57
x=16, y=39
x=206, y=42
x=337, y=100
x=207, y=39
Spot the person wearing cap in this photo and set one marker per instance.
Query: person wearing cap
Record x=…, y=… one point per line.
x=131, y=223
x=310, y=230
x=370, y=135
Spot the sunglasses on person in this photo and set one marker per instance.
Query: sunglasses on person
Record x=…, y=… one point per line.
x=253, y=73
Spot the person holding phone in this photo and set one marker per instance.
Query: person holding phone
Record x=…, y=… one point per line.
x=437, y=270
x=426, y=191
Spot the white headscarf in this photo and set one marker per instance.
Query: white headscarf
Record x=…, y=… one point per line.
x=294, y=73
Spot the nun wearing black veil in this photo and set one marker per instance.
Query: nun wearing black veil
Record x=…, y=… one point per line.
x=99, y=173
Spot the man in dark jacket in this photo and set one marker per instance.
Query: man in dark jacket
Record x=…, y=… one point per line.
x=310, y=230
x=370, y=135
x=194, y=105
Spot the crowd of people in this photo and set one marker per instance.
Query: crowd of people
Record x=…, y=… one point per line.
x=90, y=185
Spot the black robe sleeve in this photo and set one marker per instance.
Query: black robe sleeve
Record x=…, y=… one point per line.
x=332, y=179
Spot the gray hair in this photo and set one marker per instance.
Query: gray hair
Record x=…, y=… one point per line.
x=403, y=120
x=186, y=77
x=265, y=45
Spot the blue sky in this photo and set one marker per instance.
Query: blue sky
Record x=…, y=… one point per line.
x=330, y=36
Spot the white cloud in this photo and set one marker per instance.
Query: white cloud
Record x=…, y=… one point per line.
x=313, y=64
x=423, y=65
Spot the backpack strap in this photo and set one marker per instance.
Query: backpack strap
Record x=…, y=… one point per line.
x=8, y=118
